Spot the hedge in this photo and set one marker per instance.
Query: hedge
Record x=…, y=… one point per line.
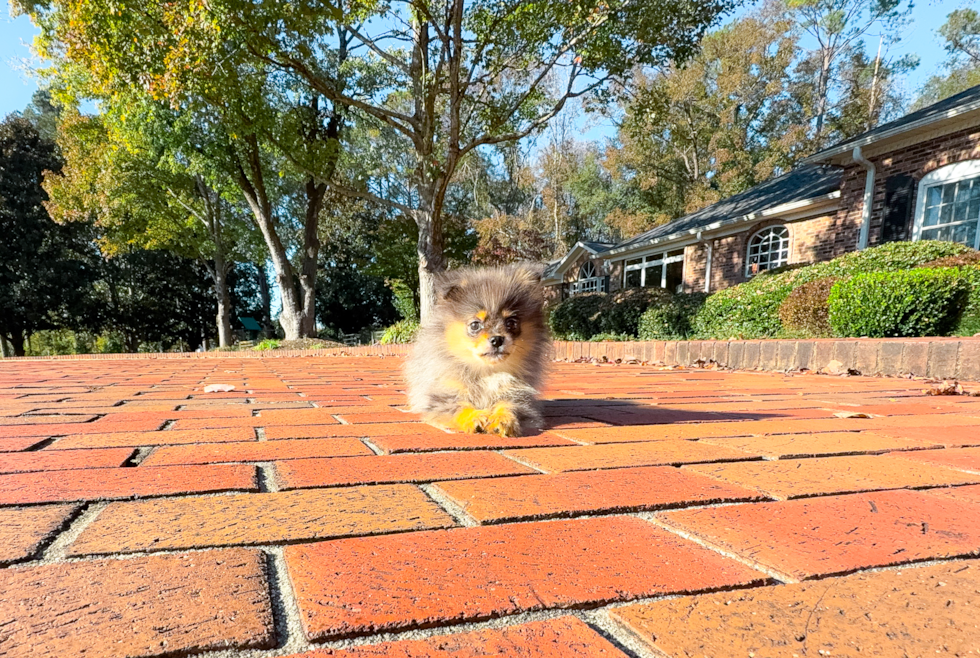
x=671, y=320
x=751, y=310
x=583, y=316
x=805, y=310
x=917, y=302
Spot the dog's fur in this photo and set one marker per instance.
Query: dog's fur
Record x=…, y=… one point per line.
x=482, y=353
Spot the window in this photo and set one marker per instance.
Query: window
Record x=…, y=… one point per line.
x=663, y=270
x=768, y=249
x=948, y=204
x=589, y=280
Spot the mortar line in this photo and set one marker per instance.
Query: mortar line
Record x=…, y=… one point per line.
x=286, y=614
x=56, y=550
x=622, y=637
x=775, y=574
x=375, y=449
x=457, y=512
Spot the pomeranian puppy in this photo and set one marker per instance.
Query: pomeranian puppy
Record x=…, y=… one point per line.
x=480, y=356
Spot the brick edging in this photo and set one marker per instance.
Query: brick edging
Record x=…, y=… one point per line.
x=948, y=358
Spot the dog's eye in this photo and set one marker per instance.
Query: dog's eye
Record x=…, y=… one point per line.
x=512, y=324
x=475, y=326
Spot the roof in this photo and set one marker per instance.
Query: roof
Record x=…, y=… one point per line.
x=250, y=324
x=556, y=267
x=801, y=184
x=948, y=108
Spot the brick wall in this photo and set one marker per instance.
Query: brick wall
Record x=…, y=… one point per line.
x=916, y=160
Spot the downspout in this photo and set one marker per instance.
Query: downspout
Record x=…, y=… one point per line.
x=709, y=245
x=869, y=191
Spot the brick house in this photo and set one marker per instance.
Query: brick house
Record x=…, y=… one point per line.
x=915, y=178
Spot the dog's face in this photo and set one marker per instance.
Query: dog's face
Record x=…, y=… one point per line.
x=490, y=315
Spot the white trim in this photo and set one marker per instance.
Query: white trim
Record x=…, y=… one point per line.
x=573, y=254
x=789, y=212
x=949, y=174
x=869, y=195
x=647, y=262
x=849, y=145
x=783, y=239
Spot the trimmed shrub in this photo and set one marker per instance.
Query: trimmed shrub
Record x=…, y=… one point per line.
x=969, y=324
x=805, y=311
x=968, y=259
x=621, y=311
x=751, y=310
x=606, y=337
x=918, y=302
x=577, y=318
x=400, y=332
x=671, y=320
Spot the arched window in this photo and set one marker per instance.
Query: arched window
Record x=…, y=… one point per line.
x=947, y=206
x=589, y=280
x=768, y=249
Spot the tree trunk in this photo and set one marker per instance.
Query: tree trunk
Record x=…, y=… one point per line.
x=311, y=252
x=17, y=341
x=225, y=338
x=430, y=248
x=266, y=300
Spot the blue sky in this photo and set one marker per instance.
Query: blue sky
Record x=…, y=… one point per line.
x=17, y=85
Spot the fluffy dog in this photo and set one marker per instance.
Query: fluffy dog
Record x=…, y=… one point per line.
x=480, y=356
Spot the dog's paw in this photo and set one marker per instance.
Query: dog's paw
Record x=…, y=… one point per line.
x=503, y=421
x=470, y=420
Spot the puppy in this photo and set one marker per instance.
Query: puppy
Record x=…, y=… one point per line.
x=481, y=355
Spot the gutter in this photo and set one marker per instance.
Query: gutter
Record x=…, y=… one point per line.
x=869, y=191
x=827, y=154
x=719, y=225
x=709, y=247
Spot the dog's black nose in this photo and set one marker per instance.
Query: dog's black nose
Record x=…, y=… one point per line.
x=497, y=341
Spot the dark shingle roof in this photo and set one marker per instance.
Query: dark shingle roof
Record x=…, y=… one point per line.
x=957, y=104
x=596, y=246
x=804, y=183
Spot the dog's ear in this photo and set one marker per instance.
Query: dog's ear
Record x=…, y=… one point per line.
x=449, y=285
x=530, y=271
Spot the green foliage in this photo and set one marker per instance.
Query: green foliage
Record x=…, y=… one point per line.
x=621, y=311
x=578, y=317
x=267, y=344
x=917, y=302
x=400, y=332
x=610, y=337
x=805, y=311
x=961, y=33
x=671, y=320
x=969, y=323
x=751, y=309
x=404, y=299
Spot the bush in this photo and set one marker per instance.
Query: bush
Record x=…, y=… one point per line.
x=751, y=310
x=577, y=318
x=671, y=320
x=267, y=344
x=805, y=311
x=400, y=332
x=621, y=311
x=968, y=259
x=969, y=324
x=606, y=337
x=918, y=302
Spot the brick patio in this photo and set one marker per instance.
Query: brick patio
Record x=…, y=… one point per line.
x=662, y=513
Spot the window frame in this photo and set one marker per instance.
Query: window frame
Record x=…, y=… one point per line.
x=951, y=173
x=748, y=247
x=647, y=262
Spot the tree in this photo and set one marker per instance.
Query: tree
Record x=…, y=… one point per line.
x=451, y=77
x=143, y=185
x=961, y=70
x=45, y=269
x=719, y=124
x=276, y=141
x=837, y=26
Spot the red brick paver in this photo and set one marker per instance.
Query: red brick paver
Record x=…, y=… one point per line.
x=313, y=508
x=258, y=519
x=476, y=573
x=114, y=483
x=149, y=606
x=567, y=494
x=912, y=612
x=839, y=534
x=23, y=531
x=565, y=637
